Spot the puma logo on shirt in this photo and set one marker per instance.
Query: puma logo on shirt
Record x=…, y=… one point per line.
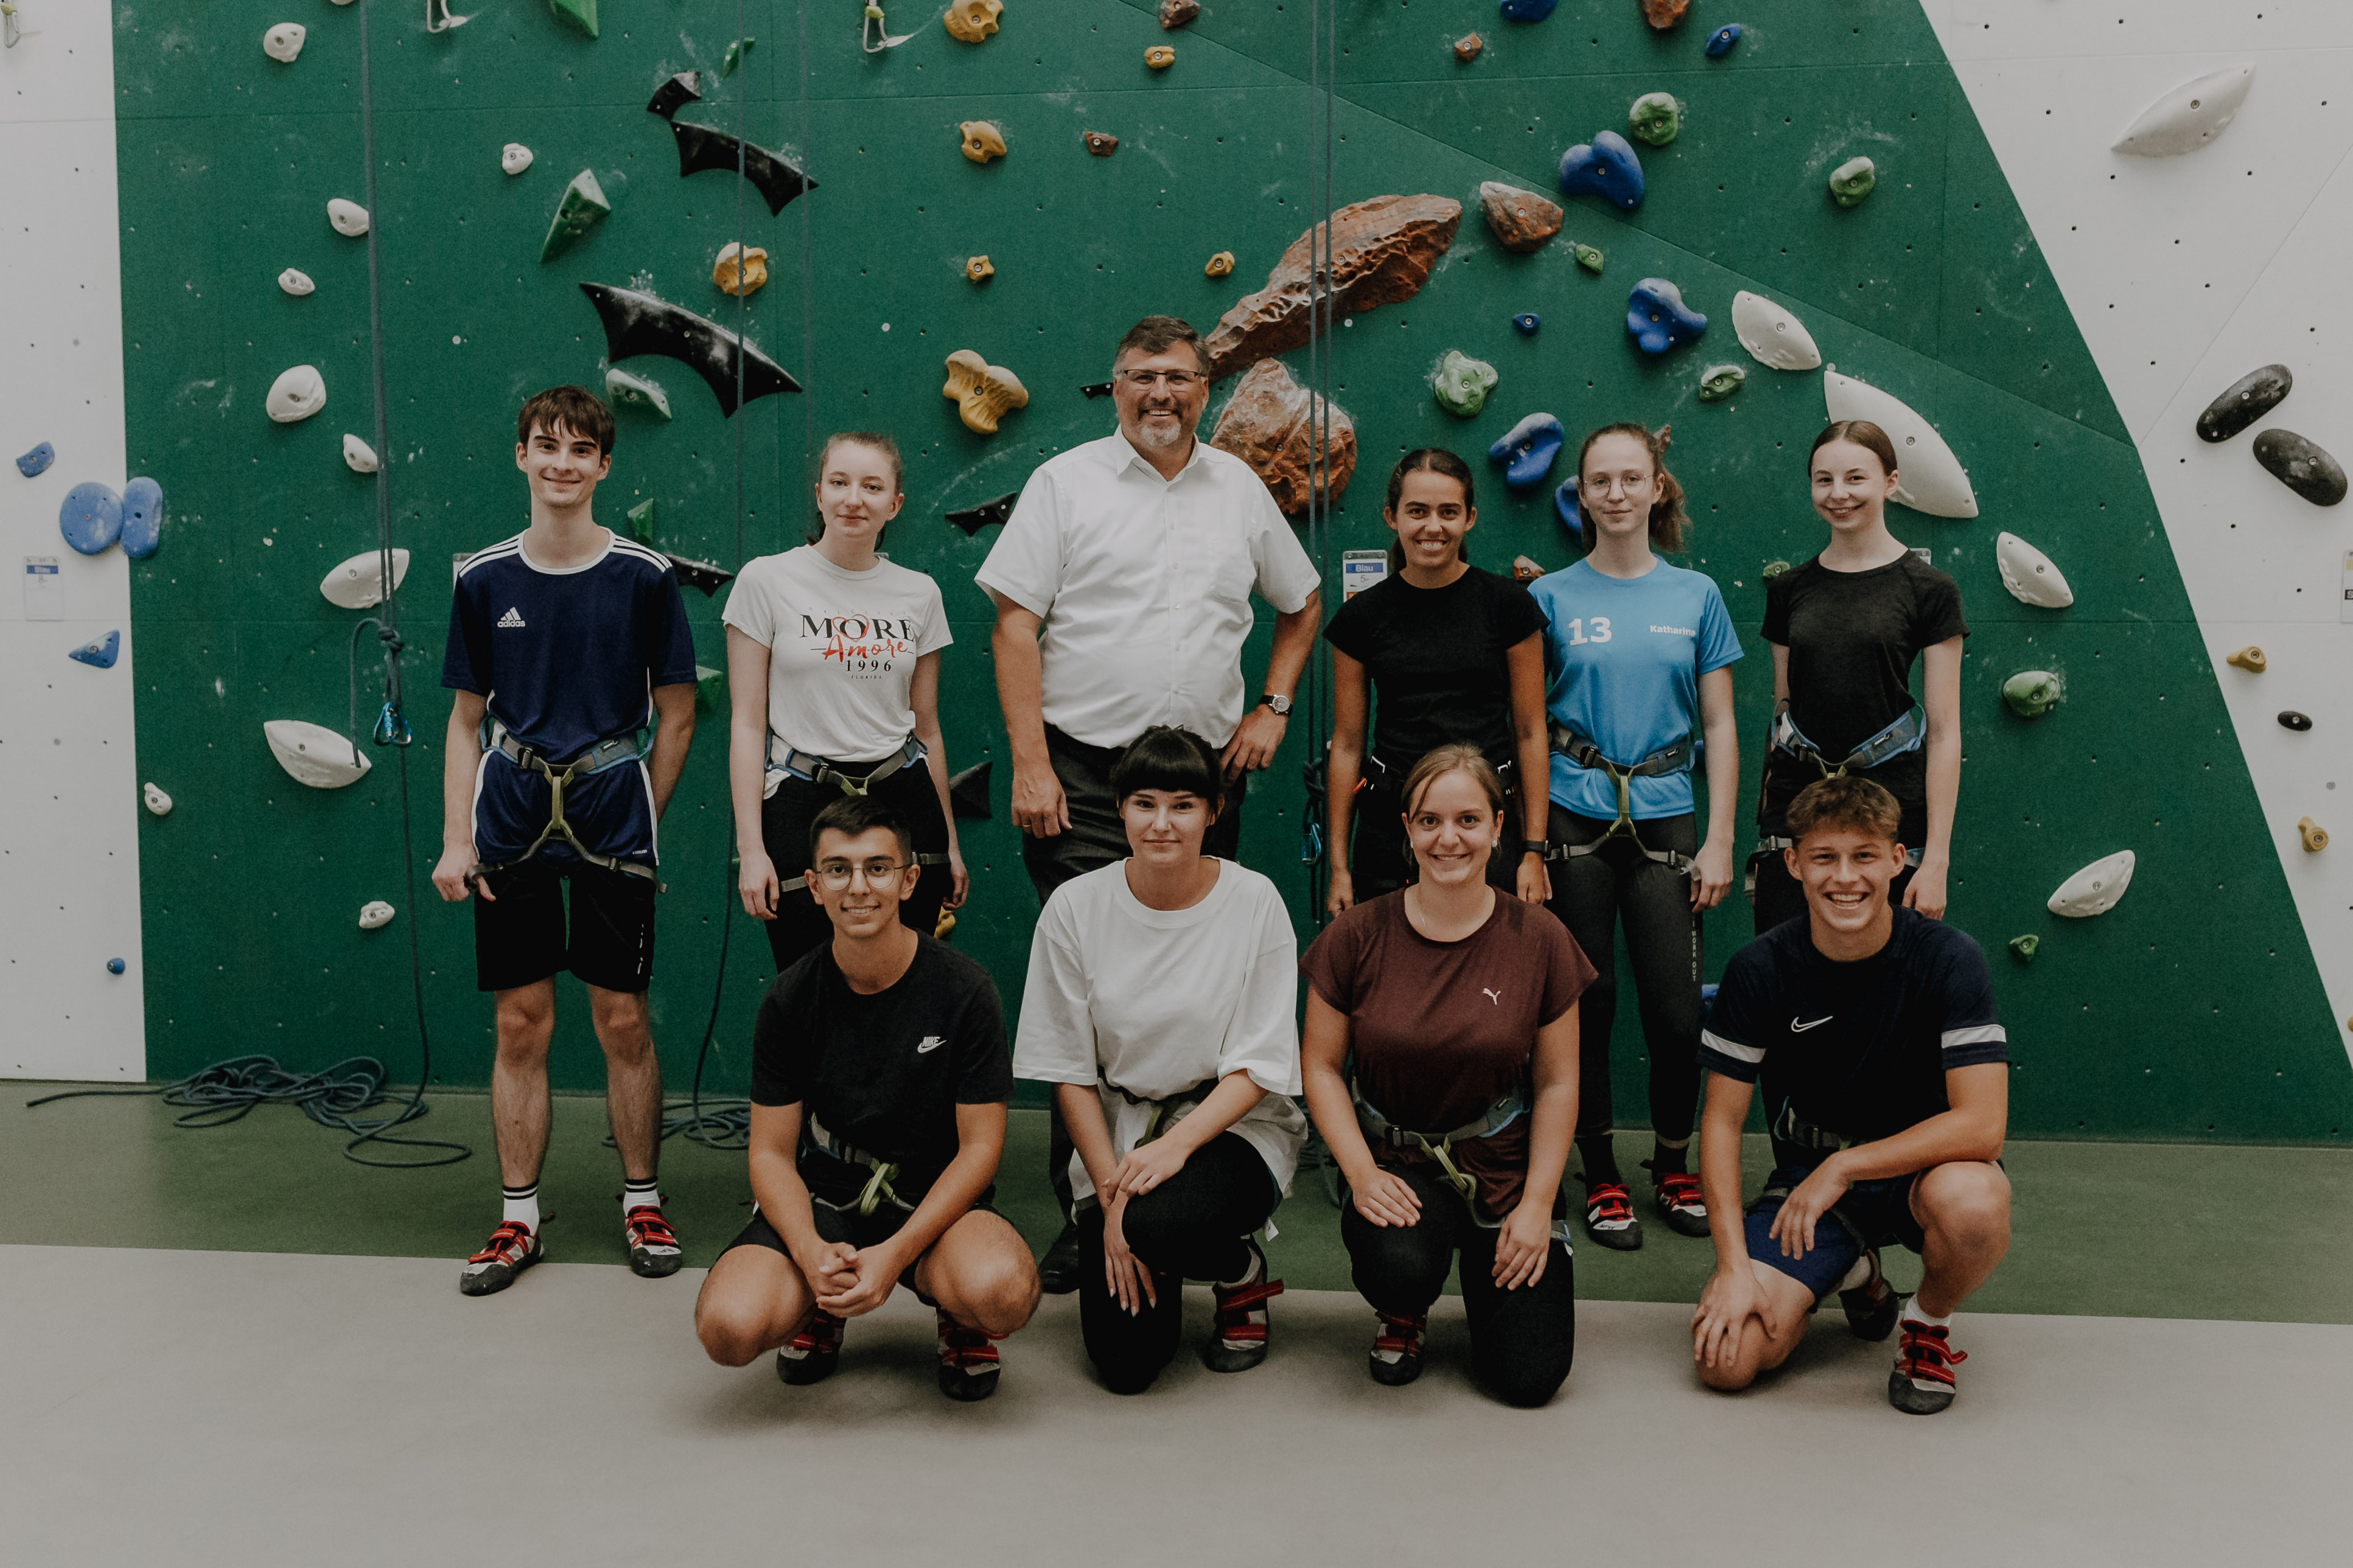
x=1798, y=1028
x=930, y=1043
x=1494, y=996
x=514, y=617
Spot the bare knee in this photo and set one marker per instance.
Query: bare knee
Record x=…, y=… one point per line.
x=525, y=1017
x=731, y=1338
x=1731, y=1375
x=622, y=1025
x=1967, y=1204
x=996, y=1295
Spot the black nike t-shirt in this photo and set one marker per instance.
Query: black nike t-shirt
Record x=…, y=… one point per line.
x=1437, y=661
x=1858, y=1051
x=884, y=1073
x=1853, y=638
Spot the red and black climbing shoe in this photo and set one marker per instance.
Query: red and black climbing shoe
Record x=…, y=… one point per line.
x=512, y=1248
x=1609, y=1216
x=1397, y=1349
x=811, y=1355
x=1922, y=1382
x=1237, y=1337
x=968, y=1363
x=1679, y=1201
x=653, y=1246
x=1872, y=1306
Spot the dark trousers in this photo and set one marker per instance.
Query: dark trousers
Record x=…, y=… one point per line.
x=1522, y=1340
x=1379, y=860
x=784, y=816
x=1189, y=1227
x=1591, y=894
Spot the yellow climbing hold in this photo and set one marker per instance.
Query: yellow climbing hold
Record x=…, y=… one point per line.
x=1160, y=57
x=973, y=20
x=982, y=392
x=2249, y=659
x=2314, y=836
x=740, y=271
x=982, y=139
x=979, y=268
x=1219, y=265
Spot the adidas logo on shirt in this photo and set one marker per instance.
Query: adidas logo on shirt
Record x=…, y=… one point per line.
x=514, y=617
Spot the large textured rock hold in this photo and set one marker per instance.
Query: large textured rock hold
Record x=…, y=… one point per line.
x=1523, y=220
x=2301, y=466
x=1272, y=424
x=1665, y=14
x=1382, y=251
x=2244, y=400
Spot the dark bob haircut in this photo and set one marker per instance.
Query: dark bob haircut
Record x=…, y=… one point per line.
x=1166, y=758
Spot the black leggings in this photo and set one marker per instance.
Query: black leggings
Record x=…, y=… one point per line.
x=785, y=817
x=1662, y=945
x=1522, y=1340
x=1189, y=1227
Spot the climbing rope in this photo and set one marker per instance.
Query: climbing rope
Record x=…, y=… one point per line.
x=332, y=1097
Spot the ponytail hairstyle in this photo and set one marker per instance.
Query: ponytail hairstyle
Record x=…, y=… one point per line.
x=880, y=442
x=1862, y=433
x=1668, y=519
x=1428, y=460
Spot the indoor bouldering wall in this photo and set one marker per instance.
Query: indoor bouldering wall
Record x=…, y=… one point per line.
x=2191, y=1009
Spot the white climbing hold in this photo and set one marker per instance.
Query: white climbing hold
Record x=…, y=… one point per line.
x=1929, y=477
x=1772, y=336
x=316, y=755
x=296, y=395
x=296, y=282
x=349, y=217
x=514, y=158
x=2032, y=577
x=358, y=583
x=2095, y=889
x=374, y=913
x=284, y=41
x=158, y=803
x=358, y=456
x=2189, y=117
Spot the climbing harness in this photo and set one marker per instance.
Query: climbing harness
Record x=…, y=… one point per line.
x=879, y=1174
x=811, y=769
x=1438, y=1146
x=872, y=28
x=1167, y=1110
x=1584, y=754
x=610, y=752
x=1788, y=1128
x=1907, y=732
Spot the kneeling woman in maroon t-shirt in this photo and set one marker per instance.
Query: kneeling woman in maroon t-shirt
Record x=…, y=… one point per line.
x=1461, y=1008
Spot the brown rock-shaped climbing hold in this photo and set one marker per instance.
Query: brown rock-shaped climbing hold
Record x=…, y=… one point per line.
x=1467, y=47
x=983, y=392
x=1100, y=144
x=982, y=139
x=740, y=271
x=1523, y=220
x=973, y=20
x=1382, y=251
x=1524, y=570
x=1160, y=57
x=1665, y=14
x=1272, y=424
x=2314, y=836
x=1175, y=13
x=1219, y=266
x=2249, y=659
x=979, y=268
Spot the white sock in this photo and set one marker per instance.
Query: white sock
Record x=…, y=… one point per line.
x=643, y=1195
x=1913, y=1313
x=1858, y=1275
x=1251, y=1274
x=522, y=1203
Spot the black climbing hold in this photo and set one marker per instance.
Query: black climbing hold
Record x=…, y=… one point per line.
x=2244, y=400
x=2291, y=720
x=675, y=94
x=2301, y=467
x=1095, y=389
x=706, y=575
x=973, y=519
x=638, y=323
x=969, y=792
x=777, y=177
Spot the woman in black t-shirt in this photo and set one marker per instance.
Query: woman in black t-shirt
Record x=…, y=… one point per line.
x=1453, y=655
x=1845, y=629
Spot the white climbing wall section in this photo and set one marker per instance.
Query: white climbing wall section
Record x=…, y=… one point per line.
x=69, y=779
x=2185, y=273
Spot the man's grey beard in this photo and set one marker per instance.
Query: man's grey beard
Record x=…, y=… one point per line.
x=1177, y=435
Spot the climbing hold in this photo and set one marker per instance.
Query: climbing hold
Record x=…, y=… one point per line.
x=349, y=218
x=637, y=323
x=708, y=576
x=1665, y=14
x=1771, y=335
x=313, y=754
x=1564, y=506
x=734, y=56
x=1175, y=13
x=1524, y=570
x=1275, y=425
x=2249, y=659
x=2022, y=948
x=584, y=207
x=2301, y=466
x=2095, y=889
x=709, y=689
x=1852, y=180
x=1100, y=144
x=296, y=282
x=1467, y=47
x=626, y=391
x=676, y=93
x=2032, y=693
x=1527, y=324
x=2030, y=576
x=35, y=463
x=296, y=395
x=1160, y=57
x=982, y=141
x=99, y=654
x=158, y=803
x=143, y=518
x=1526, y=10
x=642, y=517
x=1605, y=166
x=2290, y=719
x=115, y=966
x=514, y=157
x=982, y=393
x=581, y=14
x=1461, y=384
x=987, y=514
x=973, y=20
x=979, y=268
x=701, y=148
x=1095, y=389
x=2314, y=836
x=1657, y=318
x=374, y=913
x=968, y=792
x=1525, y=452
x=1219, y=266
x=1718, y=381
x=90, y=518
x=2189, y=116
x=284, y=41
x=1774, y=569
x=944, y=926
x=1381, y=252
x=1656, y=118
x=1590, y=257
x=1929, y=478
x=358, y=583
x=2244, y=400
x=1521, y=220
x=358, y=456
x=738, y=270
x=1720, y=42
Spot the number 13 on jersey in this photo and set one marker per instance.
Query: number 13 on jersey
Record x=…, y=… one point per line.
x=1600, y=625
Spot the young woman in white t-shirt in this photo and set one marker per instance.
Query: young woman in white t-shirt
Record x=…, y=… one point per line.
x=833, y=670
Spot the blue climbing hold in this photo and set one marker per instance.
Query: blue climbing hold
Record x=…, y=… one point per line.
x=1605, y=166
x=1526, y=451
x=1658, y=318
x=90, y=519
x=1527, y=324
x=143, y=518
x=1563, y=501
x=35, y=463
x=1526, y=10
x=102, y=654
x=115, y=966
x=1720, y=42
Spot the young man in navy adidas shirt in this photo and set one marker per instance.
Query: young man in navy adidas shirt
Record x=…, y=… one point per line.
x=565, y=643
x=1886, y=1084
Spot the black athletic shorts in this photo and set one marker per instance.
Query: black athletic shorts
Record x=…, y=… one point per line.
x=521, y=937
x=848, y=1224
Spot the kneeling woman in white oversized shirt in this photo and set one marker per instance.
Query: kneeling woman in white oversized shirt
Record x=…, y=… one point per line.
x=1160, y=1005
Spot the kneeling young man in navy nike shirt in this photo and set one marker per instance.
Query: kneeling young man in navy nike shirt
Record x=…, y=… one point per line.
x=880, y=1080
x=1887, y=1092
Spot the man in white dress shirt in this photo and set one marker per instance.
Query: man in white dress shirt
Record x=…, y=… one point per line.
x=1123, y=583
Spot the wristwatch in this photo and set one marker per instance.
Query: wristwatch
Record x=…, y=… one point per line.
x=1281, y=705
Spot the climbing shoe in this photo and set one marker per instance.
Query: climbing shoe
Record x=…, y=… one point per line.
x=1922, y=1382
x=968, y=1361
x=1397, y=1349
x=1872, y=1306
x=1058, y=1271
x=512, y=1248
x=1609, y=1216
x=1238, y=1336
x=1677, y=1194
x=811, y=1355
x=653, y=1246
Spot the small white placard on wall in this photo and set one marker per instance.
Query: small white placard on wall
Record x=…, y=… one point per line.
x=1359, y=570
x=45, y=589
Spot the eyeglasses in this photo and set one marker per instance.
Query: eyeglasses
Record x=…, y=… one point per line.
x=836, y=874
x=1178, y=380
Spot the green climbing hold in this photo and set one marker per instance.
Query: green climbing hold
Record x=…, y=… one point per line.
x=710, y=686
x=641, y=521
x=1852, y=180
x=1655, y=117
x=626, y=391
x=1464, y=383
x=2032, y=693
x=1590, y=257
x=2022, y=948
x=584, y=207
x=1721, y=381
x=581, y=14
x=734, y=56
x=1775, y=569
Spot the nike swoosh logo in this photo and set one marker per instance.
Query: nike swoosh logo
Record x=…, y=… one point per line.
x=930, y=1043
x=1798, y=1028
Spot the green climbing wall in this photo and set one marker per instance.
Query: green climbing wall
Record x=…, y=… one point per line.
x=2192, y=1011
